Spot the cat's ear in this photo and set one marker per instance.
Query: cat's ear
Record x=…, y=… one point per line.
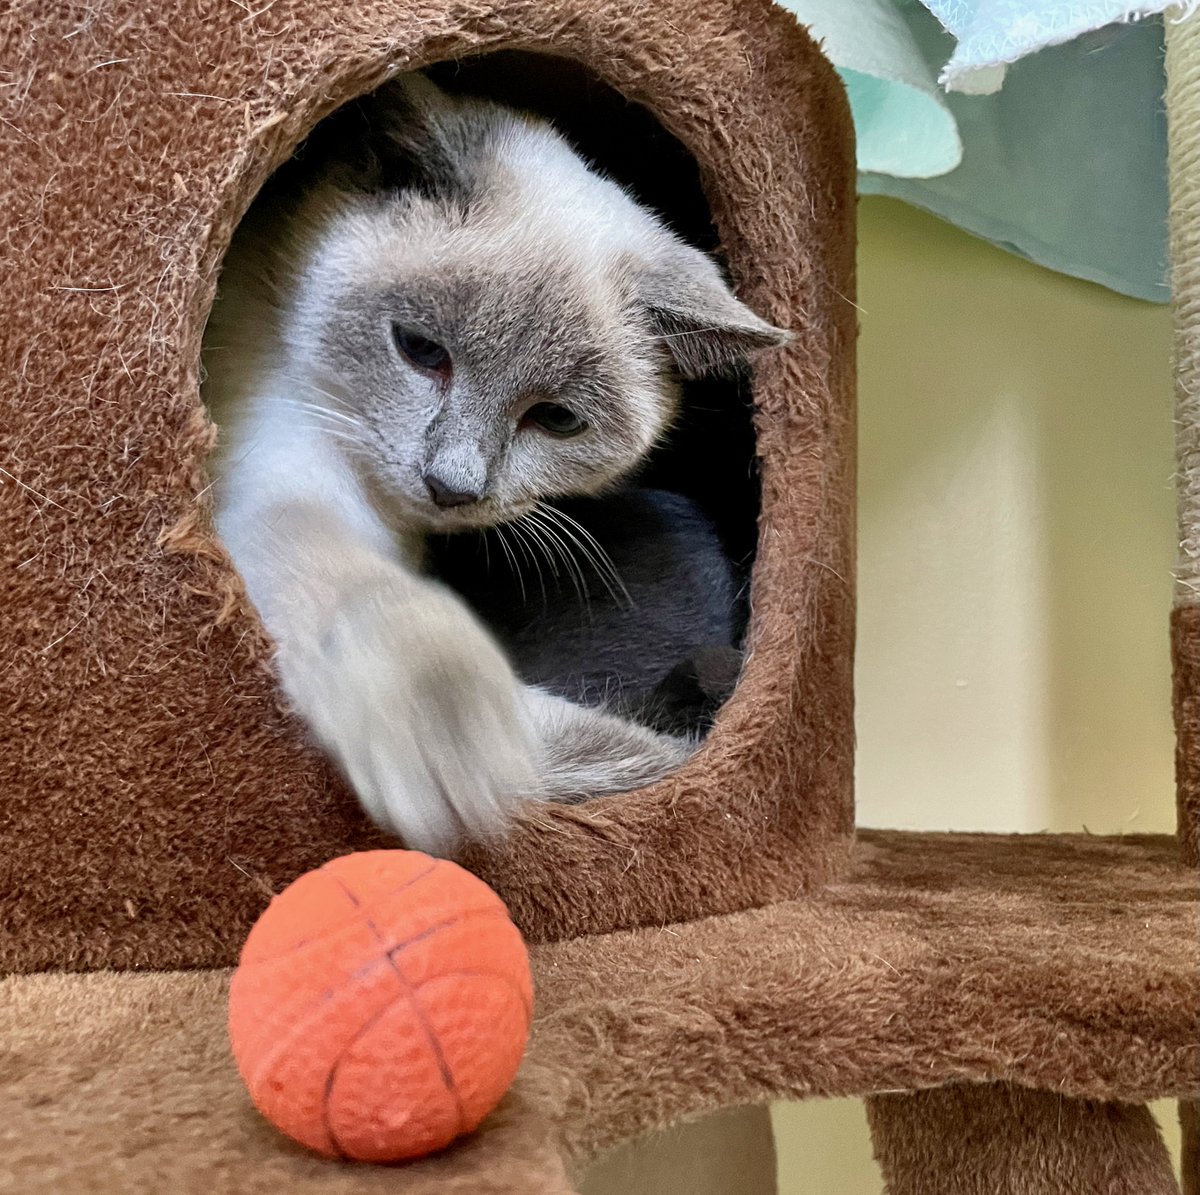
x=417, y=128
x=398, y=138
x=695, y=315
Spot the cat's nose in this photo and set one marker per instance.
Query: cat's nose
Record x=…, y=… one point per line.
x=445, y=494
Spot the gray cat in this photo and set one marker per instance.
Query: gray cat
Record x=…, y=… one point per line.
x=438, y=318
x=643, y=619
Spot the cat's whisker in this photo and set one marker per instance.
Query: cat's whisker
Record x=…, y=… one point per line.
x=511, y=557
x=334, y=424
x=331, y=414
x=596, y=552
x=306, y=384
x=535, y=540
x=536, y=537
x=592, y=551
x=563, y=550
x=335, y=431
x=334, y=416
x=329, y=425
x=601, y=555
x=521, y=532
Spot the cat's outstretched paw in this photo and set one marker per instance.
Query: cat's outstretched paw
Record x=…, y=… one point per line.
x=421, y=710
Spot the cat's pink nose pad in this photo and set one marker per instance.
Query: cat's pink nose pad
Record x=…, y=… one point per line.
x=445, y=495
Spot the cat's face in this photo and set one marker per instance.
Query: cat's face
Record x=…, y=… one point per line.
x=512, y=335
x=484, y=379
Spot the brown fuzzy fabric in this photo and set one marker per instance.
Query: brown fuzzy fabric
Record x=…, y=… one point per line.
x=1189, y=1161
x=153, y=786
x=1001, y=1140
x=1185, y=650
x=943, y=959
x=122, y=1084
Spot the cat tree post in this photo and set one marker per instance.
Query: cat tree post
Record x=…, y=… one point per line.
x=1183, y=113
x=1183, y=116
x=998, y=1139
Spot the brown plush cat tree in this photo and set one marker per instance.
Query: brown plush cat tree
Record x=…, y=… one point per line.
x=1007, y=1003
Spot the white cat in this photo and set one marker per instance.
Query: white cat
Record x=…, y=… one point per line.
x=434, y=319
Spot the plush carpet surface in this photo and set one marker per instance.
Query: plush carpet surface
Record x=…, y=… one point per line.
x=1065, y=963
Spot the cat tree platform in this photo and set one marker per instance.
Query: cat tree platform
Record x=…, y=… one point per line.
x=1064, y=972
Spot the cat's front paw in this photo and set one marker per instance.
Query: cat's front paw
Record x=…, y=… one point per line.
x=420, y=709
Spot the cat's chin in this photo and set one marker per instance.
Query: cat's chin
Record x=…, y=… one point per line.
x=415, y=513
x=423, y=516
x=478, y=517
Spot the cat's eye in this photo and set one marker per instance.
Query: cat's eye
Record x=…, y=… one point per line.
x=420, y=351
x=553, y=420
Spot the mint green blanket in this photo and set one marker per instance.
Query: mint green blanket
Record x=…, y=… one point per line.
x=1036, y=124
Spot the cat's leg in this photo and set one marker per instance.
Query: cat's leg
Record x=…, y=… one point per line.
x=583, y=752
x=393, y=674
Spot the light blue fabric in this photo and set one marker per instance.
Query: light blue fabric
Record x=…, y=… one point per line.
x=903, y=124
x=1065, y=164
x=992, y=34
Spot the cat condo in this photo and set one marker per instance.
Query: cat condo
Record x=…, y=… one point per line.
x=722, y=937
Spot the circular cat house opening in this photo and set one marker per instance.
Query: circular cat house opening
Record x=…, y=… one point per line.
x=612, y=579
x=754, y=476
x=209, y=797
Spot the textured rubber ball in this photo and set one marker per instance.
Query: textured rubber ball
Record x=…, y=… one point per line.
x=381, y=1006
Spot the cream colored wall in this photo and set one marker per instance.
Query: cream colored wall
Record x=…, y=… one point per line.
x=1015, y=552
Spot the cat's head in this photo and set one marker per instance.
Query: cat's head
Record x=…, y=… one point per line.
x=499, y=323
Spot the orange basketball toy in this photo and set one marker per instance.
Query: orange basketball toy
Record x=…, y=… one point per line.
x=381, y=1006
